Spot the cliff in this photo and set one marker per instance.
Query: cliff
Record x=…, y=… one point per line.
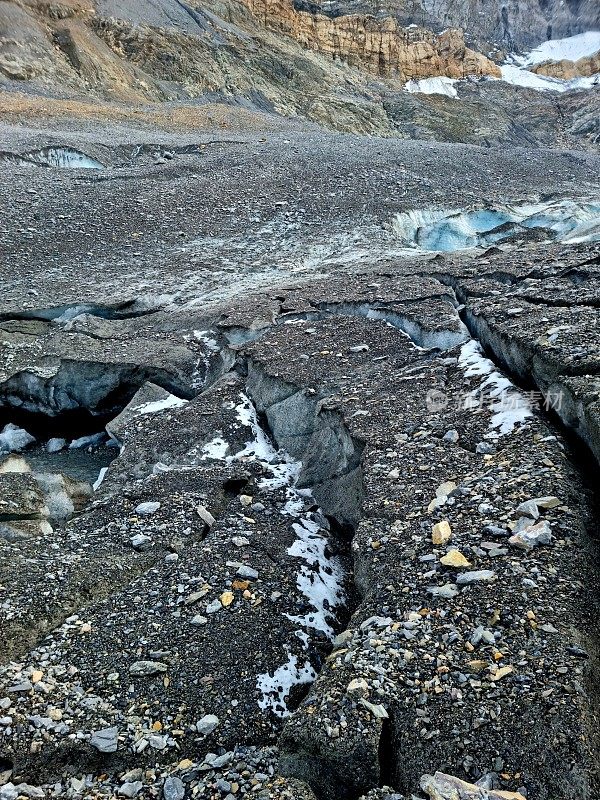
x=380, y=46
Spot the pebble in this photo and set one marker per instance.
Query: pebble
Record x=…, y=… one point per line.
x=476, y=576
x=105, y=740
x=145, y=509
x=173, y=789
x=207, y=724
x=131, y=789
x=247, y=572
x=141, y=542
x=441, y=533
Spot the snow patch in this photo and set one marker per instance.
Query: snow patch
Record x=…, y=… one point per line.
x=519, y=76
x=276, y=688
x=572, y=48
x=172, y=401
x=320, y=580
x=216, y=449
x=508, y=405
x=438, y=85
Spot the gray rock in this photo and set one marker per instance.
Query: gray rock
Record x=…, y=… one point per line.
x=476, y=576
x=446, y=592
x=145, y=509
x=131, y=788
x=173, y=789
x=207, y=724
x=105, y=740
x=247, y=572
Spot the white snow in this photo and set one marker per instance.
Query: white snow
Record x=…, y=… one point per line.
x=276, y=688
x=518, y=76
x=14, y=439
x=100, y=478
x=516, y=71
x=216, y=449
x=437, y=85
x=281, y=465
x=321, y=578
x=571, y=48
x=172, y=401
x=509, y=406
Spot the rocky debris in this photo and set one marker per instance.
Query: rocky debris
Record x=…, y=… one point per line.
x=355, y=649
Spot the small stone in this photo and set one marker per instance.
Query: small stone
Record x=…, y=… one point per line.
x=145, y=509
x=529, y=507
x=55, y=445
x=546, y=502
x=205, y=516
x=105, y=740
x=246, y=500
x=502, y=673
x=532, y=536
x=378, y=711
x=240, y=541
x=446, y=787
x=441, y=533
x=451, y=436
x=358, y=348
x=173, y=789
x=357, y=686
x=147, y=668
x=484, y=448
x=227, y=598
x=477, y=576
x=207, y=724
x=247, y=572
x=141, y=542
x=131, y=788
x=213, y=607
x=454, y=558
x=446, y=592
x=198, y=620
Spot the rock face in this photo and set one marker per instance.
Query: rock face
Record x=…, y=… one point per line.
x=567, y=70
x=505, y=23
x=379, y=45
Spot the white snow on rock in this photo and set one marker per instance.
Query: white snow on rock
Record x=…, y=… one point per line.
x=438, y=85
x=101, y=475
x=320, y=579
x=276, y=688
x=508, y=405
x=572, y=48
x=14, y=439
x=216, y=449
x=282, y=466
x=519, y=76
x=172, y=401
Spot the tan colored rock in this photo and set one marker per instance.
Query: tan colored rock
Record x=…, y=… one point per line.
x=568, y=70
x=447, y=787
x=441, y=532
x=379, y=46
x=454, y=558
